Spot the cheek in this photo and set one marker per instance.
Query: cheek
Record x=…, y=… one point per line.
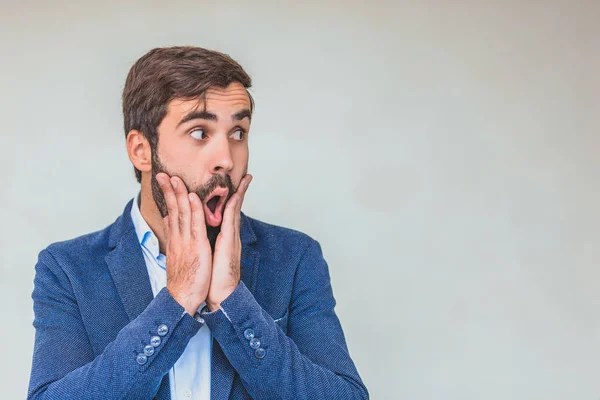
x=241, y=166
x=189, y=166
x=241, y=156
x=175, y=152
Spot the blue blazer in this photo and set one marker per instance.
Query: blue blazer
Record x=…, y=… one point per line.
x=95, y=312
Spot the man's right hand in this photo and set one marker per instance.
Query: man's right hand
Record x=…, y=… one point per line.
x=188, y=251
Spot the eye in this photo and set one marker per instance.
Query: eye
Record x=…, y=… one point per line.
x=239, y=134
x=197, y=134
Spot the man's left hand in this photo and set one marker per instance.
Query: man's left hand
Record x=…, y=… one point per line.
x=226, y=273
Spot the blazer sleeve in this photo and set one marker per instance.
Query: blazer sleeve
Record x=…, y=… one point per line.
x=311, y=361
x=64, y=366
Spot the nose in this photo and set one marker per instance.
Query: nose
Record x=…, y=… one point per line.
x=221, y=160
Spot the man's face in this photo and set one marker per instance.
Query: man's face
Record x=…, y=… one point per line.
x=207, y=147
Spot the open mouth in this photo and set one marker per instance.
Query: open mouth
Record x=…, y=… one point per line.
x=213, y=207
x=212, y=203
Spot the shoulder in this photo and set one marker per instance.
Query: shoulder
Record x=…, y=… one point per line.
x=84, y=250
x=87, y=251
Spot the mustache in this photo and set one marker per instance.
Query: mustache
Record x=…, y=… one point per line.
x=203, y=192
x=216, y=181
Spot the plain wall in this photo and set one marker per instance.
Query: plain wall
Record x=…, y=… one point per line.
x=443, y=153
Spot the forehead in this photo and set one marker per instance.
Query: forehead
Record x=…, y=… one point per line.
x=219, y=100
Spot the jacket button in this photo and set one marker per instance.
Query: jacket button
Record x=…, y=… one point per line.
x=141, y=359
x=259, y=353
x=249, y=333
x=155, y=341
x=254, y=343
x=162, y=330
x=148, y=350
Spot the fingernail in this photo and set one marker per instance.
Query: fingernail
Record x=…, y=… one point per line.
x=174, y=183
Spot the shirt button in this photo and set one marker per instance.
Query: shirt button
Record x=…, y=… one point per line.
x=188, y=393
x=259, y=353
x=155, y=341
x=141, y=359
x=162, y=330
x=249, y=333
x=198, y=318
x=254, y=343
x=148, y=350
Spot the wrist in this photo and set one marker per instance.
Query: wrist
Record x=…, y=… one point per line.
x=215, y=299
x=189, y=303
x=213, y=306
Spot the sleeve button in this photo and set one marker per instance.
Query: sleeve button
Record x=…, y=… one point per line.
x=155, y=341
x=148, y=350
x=249, y=333
x=254, y=343
x=162, y=330
x=141, y=359
x=259, y=353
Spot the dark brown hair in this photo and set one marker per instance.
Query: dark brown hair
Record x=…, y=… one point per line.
x=167, y=73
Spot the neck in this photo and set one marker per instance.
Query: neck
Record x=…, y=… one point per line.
x=150, y=213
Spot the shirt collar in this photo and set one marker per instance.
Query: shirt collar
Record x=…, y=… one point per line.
x=145, y=236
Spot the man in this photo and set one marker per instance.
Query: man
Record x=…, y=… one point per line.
x=184, y=296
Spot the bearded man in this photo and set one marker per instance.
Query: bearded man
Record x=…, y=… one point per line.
x=184, y=296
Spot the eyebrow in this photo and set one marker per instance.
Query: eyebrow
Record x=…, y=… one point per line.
x=198, y=115
x=245, y=113
x=240, y=115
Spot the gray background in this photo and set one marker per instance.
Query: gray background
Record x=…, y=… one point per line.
x=443, y=153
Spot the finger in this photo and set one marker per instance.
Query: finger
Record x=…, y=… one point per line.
x=245, y=183
x=233, y=206
x=167, y=233
x=237, y=198
x=227, y=224
x=198, y=224
x=166, y=225
x=183, y=207
x=169, y=195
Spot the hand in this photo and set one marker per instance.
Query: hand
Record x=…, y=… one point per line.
x=188, y=252
x=228, y=250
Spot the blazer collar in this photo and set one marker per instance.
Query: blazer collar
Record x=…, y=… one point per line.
x=128, y=269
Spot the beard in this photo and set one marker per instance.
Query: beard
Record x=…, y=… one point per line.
x=203, y=191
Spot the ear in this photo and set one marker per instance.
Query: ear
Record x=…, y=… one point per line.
x=139, y=151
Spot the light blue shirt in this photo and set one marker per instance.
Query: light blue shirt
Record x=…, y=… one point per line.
x=190, y=376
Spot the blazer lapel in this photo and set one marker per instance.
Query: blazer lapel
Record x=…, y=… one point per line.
x=222, y=372
x=250, y=256
x=127, y=266
x=130, y=275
